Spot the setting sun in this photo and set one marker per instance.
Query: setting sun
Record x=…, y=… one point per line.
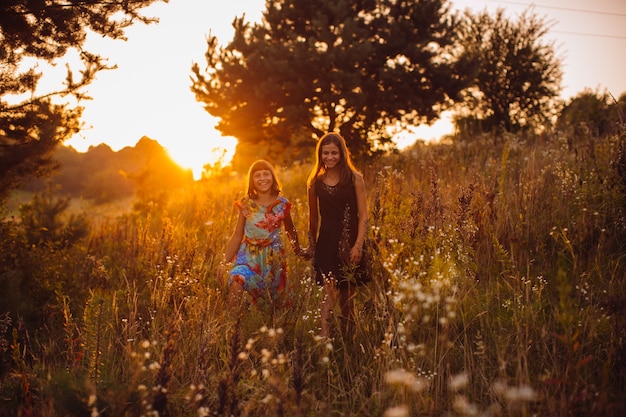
x=149, y=92
x=220, y=150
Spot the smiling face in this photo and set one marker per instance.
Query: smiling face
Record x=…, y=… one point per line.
x=263, y=181
x=331, y=155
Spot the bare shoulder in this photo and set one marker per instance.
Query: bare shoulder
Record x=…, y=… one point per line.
x=358, y=178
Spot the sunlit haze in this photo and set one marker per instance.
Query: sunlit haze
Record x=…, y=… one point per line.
x=149, y=94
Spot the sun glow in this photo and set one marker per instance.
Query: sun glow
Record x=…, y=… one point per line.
x=148, y=94
x=428, y=133
x=218, y=152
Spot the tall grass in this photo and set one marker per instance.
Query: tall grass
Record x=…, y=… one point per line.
x=499, y=291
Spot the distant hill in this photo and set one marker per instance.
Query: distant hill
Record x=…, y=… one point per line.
x=103, y=176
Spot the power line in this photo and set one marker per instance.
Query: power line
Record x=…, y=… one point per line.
x=597, y=35
x=570, y=9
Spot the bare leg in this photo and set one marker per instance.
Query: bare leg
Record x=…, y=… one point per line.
x=235, y=296
x=328, y=302
x=346, y=299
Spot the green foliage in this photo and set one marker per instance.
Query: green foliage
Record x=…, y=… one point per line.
x=516, y=75
x=43, y=223
x=41, y=32
x=315, y=66
x=29, y=135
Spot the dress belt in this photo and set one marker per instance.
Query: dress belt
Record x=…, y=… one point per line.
x=258, y=242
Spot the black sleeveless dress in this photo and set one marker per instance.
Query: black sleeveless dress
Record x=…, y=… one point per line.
x=337, y=234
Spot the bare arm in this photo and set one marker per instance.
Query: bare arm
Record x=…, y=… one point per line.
x=235, y=241
x=313, y=217
x=292, y=233
x=361, y=201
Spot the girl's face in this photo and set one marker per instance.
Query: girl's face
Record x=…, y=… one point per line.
x=262, y=180
x=331, y=155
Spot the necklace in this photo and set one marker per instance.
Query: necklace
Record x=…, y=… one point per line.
x=330, y=189
x=330, y=183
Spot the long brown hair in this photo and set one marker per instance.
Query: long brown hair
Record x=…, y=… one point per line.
x=260, y=165
x=345, y=165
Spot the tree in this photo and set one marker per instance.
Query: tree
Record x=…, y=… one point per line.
x=589, y=114
x=31, y=127
x=45, y=221
x=516, y=77
x=359, y=67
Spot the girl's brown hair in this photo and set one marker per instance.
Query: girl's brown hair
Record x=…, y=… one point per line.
x=260, y=165
x=345, y=165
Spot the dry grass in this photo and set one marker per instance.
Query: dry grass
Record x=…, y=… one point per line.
x=499, y=291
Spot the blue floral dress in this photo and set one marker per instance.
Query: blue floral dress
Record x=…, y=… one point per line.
x=261, y=264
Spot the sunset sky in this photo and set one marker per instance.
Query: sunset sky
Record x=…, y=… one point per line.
x=149, y=94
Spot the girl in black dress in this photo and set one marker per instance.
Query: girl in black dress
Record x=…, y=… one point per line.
x=337, y=227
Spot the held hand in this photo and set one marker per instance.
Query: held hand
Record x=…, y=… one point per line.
x=306, y=253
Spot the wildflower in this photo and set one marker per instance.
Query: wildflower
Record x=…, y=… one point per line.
x=397, y=377
x=462, y=405
x=458, y=382
x=521, y=393
x=513, y=394
x=398, y=411
x=249, y=344
x=402, y=377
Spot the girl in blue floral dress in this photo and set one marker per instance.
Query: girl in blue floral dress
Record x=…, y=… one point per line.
x=260, y=264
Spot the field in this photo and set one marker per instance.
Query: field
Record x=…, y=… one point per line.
x=499, y=291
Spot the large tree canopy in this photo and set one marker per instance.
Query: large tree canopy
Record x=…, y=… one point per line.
x=31, y=30
x=360, y=67
x=517, y=76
